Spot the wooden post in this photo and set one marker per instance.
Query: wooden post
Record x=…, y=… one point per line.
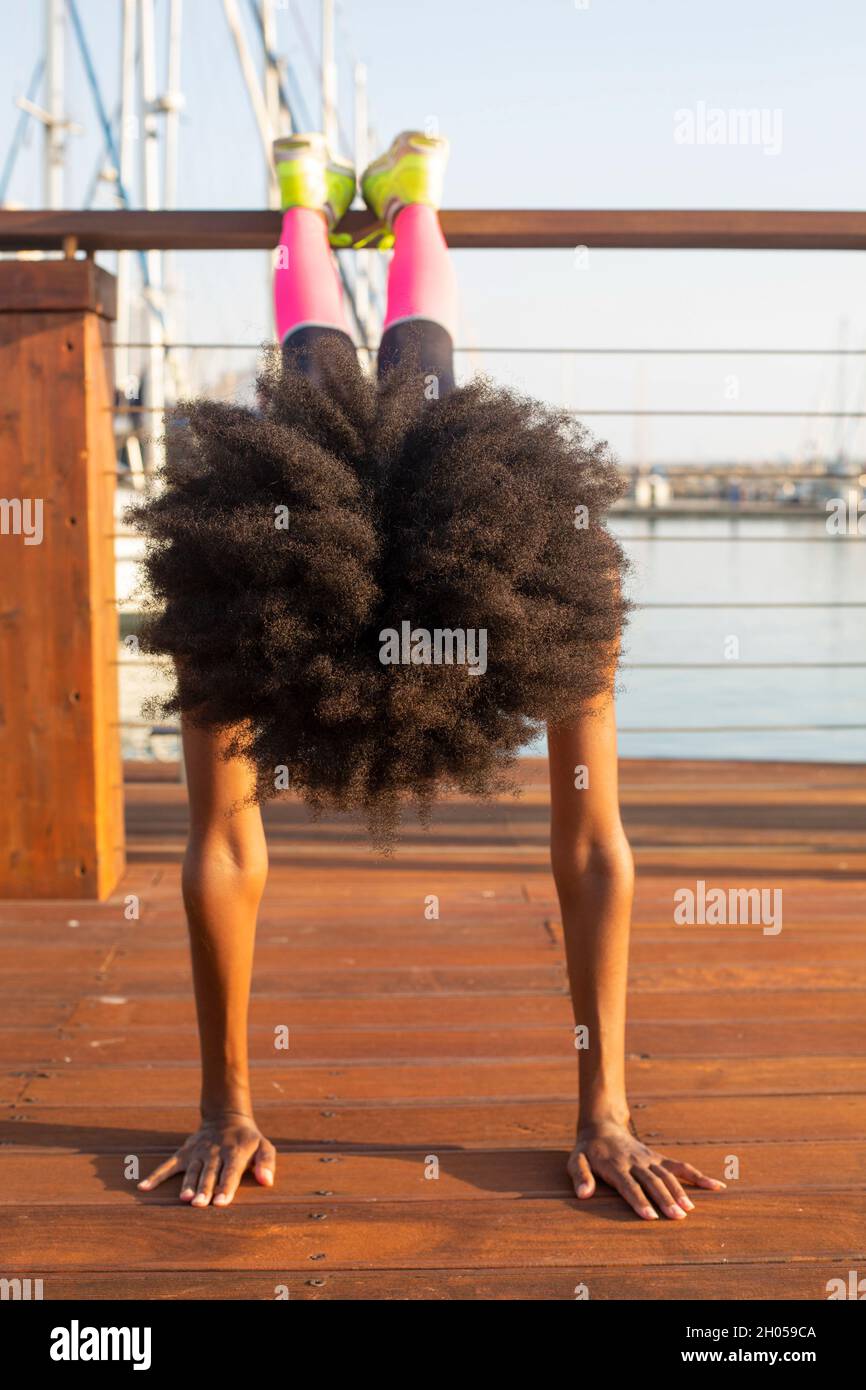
x=61, y=792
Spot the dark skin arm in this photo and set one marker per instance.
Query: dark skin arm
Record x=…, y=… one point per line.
x=594, y=874
x=224, y=874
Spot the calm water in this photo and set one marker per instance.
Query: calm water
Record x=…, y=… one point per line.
x=726, y=565
x=799, y=564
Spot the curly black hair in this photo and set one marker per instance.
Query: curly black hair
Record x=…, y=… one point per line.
x=284, y=546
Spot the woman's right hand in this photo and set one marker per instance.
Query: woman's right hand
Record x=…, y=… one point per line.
x=215, y=1158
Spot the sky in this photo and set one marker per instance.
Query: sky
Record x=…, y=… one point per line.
x=554, y=104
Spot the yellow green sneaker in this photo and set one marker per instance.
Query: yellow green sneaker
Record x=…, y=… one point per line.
x=309, y=176
x=411, y=171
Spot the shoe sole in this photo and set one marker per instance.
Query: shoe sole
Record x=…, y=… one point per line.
x=415, y=175
x=291, y=149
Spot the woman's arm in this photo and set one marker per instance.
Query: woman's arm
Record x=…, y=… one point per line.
x=224, y=873
x=594, y=874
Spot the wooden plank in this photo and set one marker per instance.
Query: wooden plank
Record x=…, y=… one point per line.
x=545, y=1123
x=386, y=926
x=700, y=776
x=743, y=948
x=50, y=1179
x=501, y=227
x=44, y=1014
x=155, y=931
x=74, y=959
x=494, y=979
x=48, y=982
x=177, y=1011
x=833, y=1039
x=695, y=861
x=807, y=1279
x=12, y=1087
x=761, y=1228
x=698, y=773
x=69, y=285
x=732, y=977
x=461, y=1079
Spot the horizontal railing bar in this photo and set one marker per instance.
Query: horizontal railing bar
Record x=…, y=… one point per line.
x=740, y=665
x=581, y=411
x=699, y=605
x=167, y=729
x=674, y=474
x=751, y=472
x=752, y=540
x=548, y=351
x=744, y=729
x=756, y=603
x=506, y=228
x=733, y=414
x=174, y=730
x=163, y=663
x=737, y=472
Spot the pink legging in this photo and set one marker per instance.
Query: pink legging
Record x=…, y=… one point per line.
x=421, y=280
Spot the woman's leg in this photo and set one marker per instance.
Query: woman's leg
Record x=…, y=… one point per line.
x=404, y=188
x=315, y=190
x=421, y=279
x=224, y=872
x=422, y=297
x=307, y=289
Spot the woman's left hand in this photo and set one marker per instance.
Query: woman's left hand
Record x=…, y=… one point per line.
x=611, y=1152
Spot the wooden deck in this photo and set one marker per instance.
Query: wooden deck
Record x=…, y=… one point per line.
x=452, y=1039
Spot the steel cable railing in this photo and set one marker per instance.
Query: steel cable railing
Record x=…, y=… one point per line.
x=547, y=351
x=734, y=532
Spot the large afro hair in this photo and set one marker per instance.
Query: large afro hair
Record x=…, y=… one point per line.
x=283, y=543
